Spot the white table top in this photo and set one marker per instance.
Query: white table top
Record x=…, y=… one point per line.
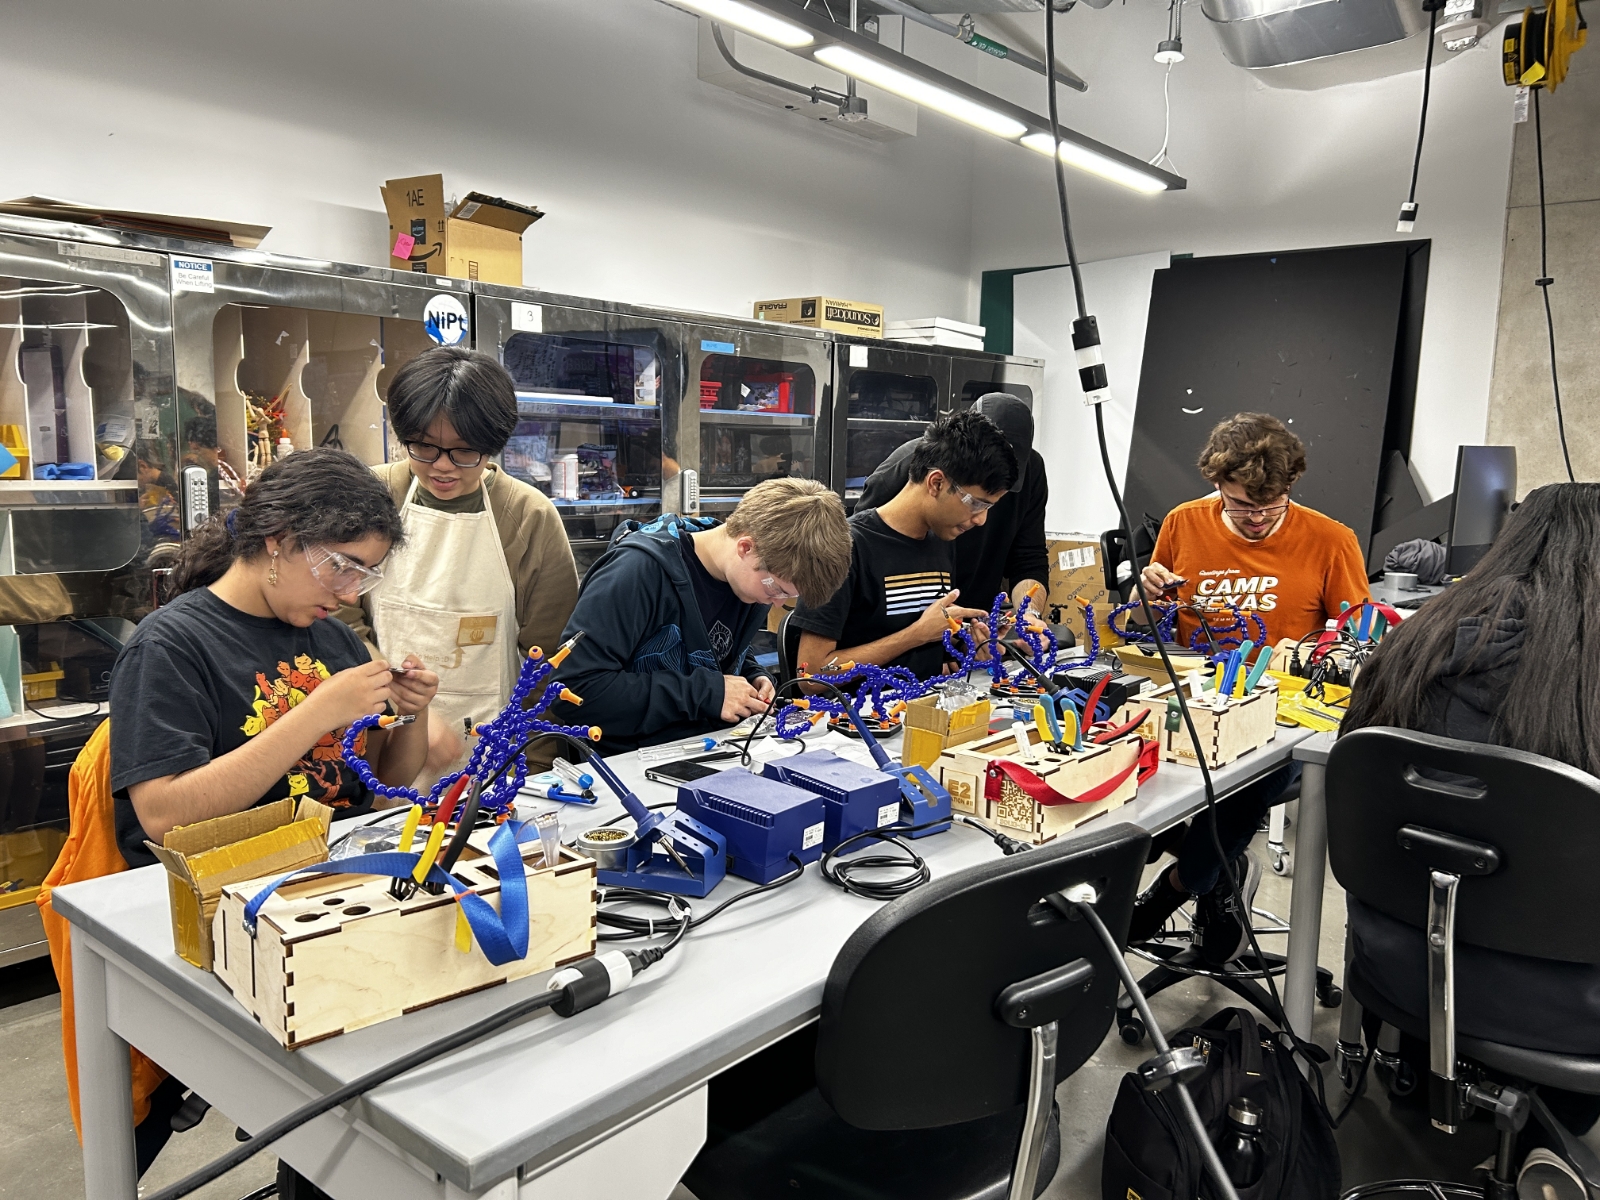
x=538, y=1090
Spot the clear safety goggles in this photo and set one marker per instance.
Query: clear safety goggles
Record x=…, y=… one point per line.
x=340, y=575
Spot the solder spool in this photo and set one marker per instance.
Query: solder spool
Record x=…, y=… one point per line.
x=608, y=846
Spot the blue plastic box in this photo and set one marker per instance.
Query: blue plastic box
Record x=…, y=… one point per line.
x=857, y=797
x=763, y=820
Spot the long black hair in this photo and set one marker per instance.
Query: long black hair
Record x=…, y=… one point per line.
x=312, y=497
x=1543, y=568
x=468, y=387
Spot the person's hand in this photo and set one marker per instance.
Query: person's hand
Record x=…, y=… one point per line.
x=740, y=699
x=764, y=690
x=936, y=618
x=1032, y=591
x=1157, y=580
x=352, y=693
x=413, y=691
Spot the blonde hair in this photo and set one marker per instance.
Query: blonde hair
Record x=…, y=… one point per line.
x=800, y=532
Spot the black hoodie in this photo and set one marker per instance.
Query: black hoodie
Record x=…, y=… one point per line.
x=1532, y=1002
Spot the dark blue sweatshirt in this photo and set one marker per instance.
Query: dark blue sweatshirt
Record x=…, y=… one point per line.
x=645, y=668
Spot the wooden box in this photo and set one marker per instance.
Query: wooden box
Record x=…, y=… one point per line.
x=965, y=772
x=1245, y=723
x=1142, y=659
x=334, y=954
x=930, y=730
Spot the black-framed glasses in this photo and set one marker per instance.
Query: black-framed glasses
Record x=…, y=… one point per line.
x=1255, y=514
x=429, y=453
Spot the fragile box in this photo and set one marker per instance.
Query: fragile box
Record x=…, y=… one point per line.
x=1142, y=658
x=929, y=729
x=336, y=953
x=204, y=858
x=821, y=312
x=479, y=237
x=972, y=775
x=1243, y=724
x=1077, y=573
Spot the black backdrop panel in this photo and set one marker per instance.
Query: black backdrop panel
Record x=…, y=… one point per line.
x=1308, y=336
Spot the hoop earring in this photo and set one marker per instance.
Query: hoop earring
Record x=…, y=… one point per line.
x=272, y=571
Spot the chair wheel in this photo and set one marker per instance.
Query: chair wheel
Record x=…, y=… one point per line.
x=1330, y=996
x=1395, y=1074
x=1282, y=863
x=1132, y=1031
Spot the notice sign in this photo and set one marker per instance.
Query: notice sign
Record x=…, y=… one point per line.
x=193, y=275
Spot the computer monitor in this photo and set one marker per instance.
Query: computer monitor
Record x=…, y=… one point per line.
x=1486, y=486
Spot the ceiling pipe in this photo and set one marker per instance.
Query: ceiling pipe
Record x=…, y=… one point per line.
x=966, y=33
x=817, y=95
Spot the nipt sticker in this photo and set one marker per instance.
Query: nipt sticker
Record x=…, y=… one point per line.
x=445, y=320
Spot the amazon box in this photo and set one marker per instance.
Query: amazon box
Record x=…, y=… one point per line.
x=203, y=858
x=478, y=238
x=820, y=312
x=1077, y=577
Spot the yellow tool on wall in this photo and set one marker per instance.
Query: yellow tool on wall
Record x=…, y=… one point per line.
x=1536, y=50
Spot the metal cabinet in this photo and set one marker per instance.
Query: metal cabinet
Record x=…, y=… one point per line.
x=884, y=395
x=758, y=407
x=599, y=389
x=268, y=346
x=975, y=372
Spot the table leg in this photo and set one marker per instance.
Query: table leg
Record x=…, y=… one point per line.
x=105, y=1085
x=1305, y=904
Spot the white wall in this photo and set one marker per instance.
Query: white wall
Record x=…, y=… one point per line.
x=1118, y=293
x=1270, y=167
x=659, y=188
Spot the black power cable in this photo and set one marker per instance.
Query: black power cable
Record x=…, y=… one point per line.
x=1277, y=1016
x=1543, y=284
x=1408, y=210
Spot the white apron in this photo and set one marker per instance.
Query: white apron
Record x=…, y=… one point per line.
x=447, y=597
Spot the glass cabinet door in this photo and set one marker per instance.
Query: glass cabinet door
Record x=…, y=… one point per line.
x=758, y=420
x=589, y=398
x=888, y=402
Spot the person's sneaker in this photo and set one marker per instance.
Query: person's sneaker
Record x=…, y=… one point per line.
x=1154, y=905
x=1544, y=1176
x=1221, y=930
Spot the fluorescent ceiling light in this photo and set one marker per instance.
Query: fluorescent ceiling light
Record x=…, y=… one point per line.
x=1096, y=163
x=902, y=83
x=752, y=20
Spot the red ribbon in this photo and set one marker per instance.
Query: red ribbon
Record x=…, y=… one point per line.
x=1145, y=762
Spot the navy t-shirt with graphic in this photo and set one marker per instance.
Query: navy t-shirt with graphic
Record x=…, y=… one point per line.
x=721, y=609
x=199, y=678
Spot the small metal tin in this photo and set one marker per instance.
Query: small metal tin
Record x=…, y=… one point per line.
x=607, y=845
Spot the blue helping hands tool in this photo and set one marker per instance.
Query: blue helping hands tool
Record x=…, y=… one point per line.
x=1263, y=661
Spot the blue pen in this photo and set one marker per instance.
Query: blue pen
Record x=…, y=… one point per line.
x=1365, y=629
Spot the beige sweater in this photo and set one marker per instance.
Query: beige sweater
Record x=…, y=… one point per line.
x=537, y=552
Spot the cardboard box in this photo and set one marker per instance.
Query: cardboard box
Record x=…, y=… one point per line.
x=929, y=729
x=479, y=238
x=1143, y=659
x=821, y=312
x=204, y=858
x=1077, y=573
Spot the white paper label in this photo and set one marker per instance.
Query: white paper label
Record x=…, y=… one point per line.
x=527, y=318
x=1071, y=560
x=888, y=814
x=858, y=356
x=193, y=275
x=469, y=210
x=1519, y=106
x=812, y=836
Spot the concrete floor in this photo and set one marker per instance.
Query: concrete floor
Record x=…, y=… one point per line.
x=39, y=1154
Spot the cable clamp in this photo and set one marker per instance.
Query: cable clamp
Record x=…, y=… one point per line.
x=1545, y=282
x=1178, y=1065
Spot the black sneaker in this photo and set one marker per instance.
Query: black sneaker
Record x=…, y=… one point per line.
x=1154, y=905
x=1221, y=931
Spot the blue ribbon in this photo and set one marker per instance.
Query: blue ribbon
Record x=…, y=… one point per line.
x=502, y=936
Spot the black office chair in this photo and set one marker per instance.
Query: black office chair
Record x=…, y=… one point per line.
x=1502, y=857
x=1114, y=552
x=947, y=1021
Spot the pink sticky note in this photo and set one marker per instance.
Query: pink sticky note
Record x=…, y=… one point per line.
x=403, y=245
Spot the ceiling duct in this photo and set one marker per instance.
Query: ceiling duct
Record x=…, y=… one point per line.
x=1275, y=33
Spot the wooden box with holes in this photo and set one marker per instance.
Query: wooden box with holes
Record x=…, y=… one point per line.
x=334, y=954
x=1243, y=724
x=1039, y=800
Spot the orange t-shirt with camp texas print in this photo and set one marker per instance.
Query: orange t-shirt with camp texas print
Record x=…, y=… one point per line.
x=1295, y=579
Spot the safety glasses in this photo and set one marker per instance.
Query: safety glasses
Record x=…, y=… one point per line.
x=976, y=503
x=340, y=575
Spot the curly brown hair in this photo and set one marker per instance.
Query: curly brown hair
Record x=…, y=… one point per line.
x=1256, y=452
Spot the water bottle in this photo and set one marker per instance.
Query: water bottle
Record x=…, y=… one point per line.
x=1243, y=1157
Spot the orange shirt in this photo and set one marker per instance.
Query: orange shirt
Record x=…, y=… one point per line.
x=1296, y=578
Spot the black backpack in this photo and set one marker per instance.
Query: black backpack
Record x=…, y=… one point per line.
x=1150, y=1148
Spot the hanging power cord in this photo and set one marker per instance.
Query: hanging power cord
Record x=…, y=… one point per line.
x=1408, y=210
x=1164, y=1053
x=1092, y=375
x=1543, y=284
x=1166, y=133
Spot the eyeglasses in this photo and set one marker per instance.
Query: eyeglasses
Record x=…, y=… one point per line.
x=975, y=503
x=775, y=591
x=340, y=575
x=429, y=453
x=1255, y=513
